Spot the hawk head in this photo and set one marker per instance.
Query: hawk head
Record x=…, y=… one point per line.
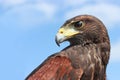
x=83, y=29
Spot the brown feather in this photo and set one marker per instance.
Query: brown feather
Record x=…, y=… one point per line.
x=55, y=68
x=85, y=59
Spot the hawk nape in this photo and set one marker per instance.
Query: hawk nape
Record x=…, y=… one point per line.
x=86, y=57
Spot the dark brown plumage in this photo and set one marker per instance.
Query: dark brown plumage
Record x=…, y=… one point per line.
x=85, y=59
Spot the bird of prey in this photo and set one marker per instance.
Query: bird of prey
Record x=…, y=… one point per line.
x=86, y=57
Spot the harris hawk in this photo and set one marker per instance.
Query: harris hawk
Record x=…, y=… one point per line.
x=86, y=57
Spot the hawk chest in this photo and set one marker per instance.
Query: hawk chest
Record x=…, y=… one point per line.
x=87, y=58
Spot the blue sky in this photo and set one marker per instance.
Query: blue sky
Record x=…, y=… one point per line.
x=28, y=28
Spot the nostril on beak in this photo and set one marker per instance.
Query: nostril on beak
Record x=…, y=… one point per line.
x=61, y=32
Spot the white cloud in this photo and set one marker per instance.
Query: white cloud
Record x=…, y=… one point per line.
x=115, y=52
x=74, y=2
x=108, y=13
x=28, y=15
x=7, y=3
x=48, y=9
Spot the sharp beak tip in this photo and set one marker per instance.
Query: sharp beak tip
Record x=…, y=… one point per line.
x=57, y=41
x=58, y=44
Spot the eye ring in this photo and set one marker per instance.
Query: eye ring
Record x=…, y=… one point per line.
x=78, y=24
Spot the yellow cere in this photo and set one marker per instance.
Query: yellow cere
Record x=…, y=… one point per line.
x=68, y=31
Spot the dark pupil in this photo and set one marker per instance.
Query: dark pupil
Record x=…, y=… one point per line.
x=78, y=24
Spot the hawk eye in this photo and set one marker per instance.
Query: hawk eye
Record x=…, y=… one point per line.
x=78, y=24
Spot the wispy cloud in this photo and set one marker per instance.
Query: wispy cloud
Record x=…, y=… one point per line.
x=108, y=13
x=74, y=2
x=28, y=14
x=47, y=8
x=8, y=3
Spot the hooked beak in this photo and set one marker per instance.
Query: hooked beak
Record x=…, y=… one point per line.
x=64, y=34
x=59, y=38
